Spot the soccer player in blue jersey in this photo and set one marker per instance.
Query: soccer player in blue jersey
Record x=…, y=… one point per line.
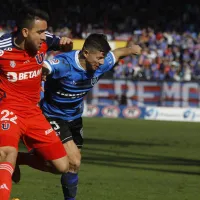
x=71, y=76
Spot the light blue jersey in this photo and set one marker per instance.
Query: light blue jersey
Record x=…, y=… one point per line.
x=68, y=83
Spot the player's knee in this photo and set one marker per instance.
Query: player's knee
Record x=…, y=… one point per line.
x=61, y=165
x=2, y=156
x=8, y=154
x=75, y=163
x=63, y=168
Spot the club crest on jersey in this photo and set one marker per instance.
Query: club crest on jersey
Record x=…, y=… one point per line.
x=39, y=58
x=5, y=126
x=12, y=63
x=94, y=80
x=1, y=52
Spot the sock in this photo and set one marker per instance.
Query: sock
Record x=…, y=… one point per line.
x=69, y=183
x=6, y=171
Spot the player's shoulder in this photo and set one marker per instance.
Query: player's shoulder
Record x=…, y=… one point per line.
x=50, y=35
x=63, y=62
x=109, y=61
x=70, y=54
x=6, y=40
x=60, y=60
x=67, y=56
x=6, y=36
x=110, y=55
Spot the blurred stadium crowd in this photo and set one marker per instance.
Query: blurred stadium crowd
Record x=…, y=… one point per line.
x=165, y=56
x=167, y=31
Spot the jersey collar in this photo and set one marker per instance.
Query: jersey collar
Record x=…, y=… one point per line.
x=77, y=60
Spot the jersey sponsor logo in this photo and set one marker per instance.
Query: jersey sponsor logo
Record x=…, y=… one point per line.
x=54, y=61
x=73, y=96
x=1, y=52
x=94, y=80
x=39, y=58
x=13, y=76
x=5, y=126
x=110, y=111
x=12, y=63
x=92, y=111
x=131, y=112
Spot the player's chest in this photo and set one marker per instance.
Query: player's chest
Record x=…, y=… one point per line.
x=84, y=80
x=17, y=62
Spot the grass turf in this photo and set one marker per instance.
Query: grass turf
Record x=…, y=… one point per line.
x=127, y=159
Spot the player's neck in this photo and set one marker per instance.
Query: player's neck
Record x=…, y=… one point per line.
x=19, y=42
x=82, y=60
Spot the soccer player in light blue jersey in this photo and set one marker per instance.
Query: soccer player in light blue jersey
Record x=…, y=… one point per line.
x=71, y=76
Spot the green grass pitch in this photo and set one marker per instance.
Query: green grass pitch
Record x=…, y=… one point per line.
x=130, y=160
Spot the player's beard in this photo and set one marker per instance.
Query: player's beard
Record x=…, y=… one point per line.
x=31, y=48
x=89, y=67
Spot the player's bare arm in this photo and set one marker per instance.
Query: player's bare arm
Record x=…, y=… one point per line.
x=126, y=51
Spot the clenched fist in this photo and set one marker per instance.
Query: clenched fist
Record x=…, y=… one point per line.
x=136, y=49
x=66, y=44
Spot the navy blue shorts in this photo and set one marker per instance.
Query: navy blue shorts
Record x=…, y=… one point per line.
x=68, y=130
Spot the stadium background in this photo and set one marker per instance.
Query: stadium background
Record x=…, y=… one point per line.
x=131, y=159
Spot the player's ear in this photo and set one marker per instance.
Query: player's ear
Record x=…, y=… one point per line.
x=85, y=53
x=25, y=32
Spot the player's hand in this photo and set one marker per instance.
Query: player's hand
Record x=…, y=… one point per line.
x=136, y=49
x=66, y=44
x=45, y=72
x=42, y=89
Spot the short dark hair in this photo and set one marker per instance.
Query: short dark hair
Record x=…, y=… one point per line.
x=27, y=15
x=98, y=42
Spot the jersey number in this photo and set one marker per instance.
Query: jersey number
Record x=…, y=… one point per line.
x=54, y=125
x=7, y=116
